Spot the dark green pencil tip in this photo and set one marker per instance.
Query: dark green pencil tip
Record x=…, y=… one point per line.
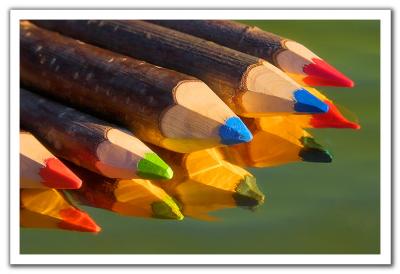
x=314, y=152
x=248, y=194
x=153, y=167
x=166, y=209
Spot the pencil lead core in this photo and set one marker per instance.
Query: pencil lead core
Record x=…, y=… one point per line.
x=321, y=73
x=74, y=219
x=332, y=119
x=153, y=167
x=314, y=152
x=166, y=210
x=308, y=103
x=248, y=194
x=234, y=131
x=56, y=175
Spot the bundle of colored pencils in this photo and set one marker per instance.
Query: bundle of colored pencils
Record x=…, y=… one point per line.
x=158, y=119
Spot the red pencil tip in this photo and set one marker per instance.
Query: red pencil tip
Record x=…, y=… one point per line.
x=56, y=175
x=321, y=73
x=74, y=219
x=332, y=119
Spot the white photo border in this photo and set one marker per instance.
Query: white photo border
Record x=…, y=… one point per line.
x=385, y=139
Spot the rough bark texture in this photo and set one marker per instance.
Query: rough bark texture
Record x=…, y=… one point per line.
x=113, y=86
x=68, y=133
x=219, y=67
x=247, y=39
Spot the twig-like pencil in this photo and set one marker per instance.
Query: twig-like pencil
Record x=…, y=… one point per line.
x=160, y=106
x=89, y=142
x=39, y=168
x=50, y=208
x=134, y=197
x=288, y=55
x=247, y=84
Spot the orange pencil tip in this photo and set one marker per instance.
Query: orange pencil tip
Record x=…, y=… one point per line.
x=332, y=119
x=74, y=219
x=56, y=175
x=321, y=73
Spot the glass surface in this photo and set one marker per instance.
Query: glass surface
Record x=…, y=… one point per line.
x=309, y=208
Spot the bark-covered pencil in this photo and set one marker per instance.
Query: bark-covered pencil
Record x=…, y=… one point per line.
x=160, y=106
x=89, y=142
x=249, y=85
x=288, y=55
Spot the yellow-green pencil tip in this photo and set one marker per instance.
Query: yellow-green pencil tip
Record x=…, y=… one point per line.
x=153, y=167
x=248, y=194
x=166, y=210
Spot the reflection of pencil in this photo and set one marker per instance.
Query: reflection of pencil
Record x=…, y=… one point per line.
x=51, y=209
x=134, y=197
x=39, y=168
x=161, y=106
x=247, y=84
x=197, y=171
x=89, y=142
x=276, y=141
x=286, y=54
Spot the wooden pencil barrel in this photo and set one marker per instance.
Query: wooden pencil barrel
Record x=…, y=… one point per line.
x=221, y=68
x=248, y=39
x=70, y=134
x=118, y=88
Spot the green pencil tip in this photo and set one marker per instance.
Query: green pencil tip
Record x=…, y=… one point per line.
x=314, y=152
x=153, y=167
x=248, y=194
x=166, y=209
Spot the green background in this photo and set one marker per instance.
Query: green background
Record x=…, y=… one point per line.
x=310, y=208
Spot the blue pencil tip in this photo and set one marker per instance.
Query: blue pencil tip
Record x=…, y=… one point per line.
x=234, y=132
x=308, y=103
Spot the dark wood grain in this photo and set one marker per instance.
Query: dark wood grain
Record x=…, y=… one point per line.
x=219, y=67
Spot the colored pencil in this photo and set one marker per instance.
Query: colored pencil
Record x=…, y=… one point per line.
x=39, y=168
x=277, y=141
x=331, y=119
x=247, y=84
x=288, y=55
x=160, y=106
x=133, y=197
x=50, y=208
x=89, y=142
x=203, y=181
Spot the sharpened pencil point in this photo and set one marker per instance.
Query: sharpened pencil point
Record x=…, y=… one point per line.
x=153, y=167
x=56, y=175
x=314, y=152
x=74, y=219
x=248, y=194
x=332, y=119
x=321, y=73
x=234, y=132
x=166, y=210
x=308, y=103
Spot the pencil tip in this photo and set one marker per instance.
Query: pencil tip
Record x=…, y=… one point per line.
x=74, y=219
x=320, y=73
x=248, y=194
x=234, y=131
x=308, y=103
x=166, y=210
x=151, y=166
x=314, y=152
x=56, y=175
x=332, y=119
